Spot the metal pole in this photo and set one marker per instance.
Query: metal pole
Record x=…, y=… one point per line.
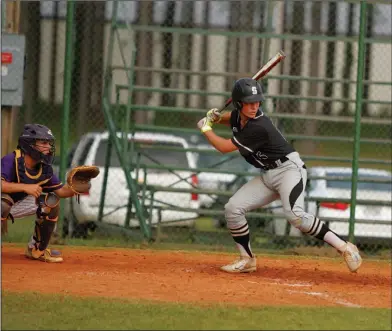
x=112, y=127
x=128, y=117
x=66, y=96
x=358, y=110
x=107, y=95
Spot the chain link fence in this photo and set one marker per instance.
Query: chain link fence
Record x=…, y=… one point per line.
x=44, y=26
x=167, y=62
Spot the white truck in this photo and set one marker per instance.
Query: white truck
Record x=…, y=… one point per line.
x=91, y=150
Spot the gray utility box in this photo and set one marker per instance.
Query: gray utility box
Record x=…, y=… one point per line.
x=12, y=69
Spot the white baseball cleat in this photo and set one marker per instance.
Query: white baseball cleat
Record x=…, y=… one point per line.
x=351, y=255
x=244, y=264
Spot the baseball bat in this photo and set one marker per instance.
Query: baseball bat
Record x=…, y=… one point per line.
x=264, y=70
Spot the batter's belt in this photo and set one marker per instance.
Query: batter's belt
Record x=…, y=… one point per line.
x=276, y=163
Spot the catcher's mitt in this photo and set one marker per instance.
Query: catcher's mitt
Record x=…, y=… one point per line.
x=78, y=179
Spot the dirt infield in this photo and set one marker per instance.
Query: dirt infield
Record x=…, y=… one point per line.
x=177, y=276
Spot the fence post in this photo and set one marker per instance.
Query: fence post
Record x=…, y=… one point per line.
x=66, y=96
x=108, y=77
x=358, y=111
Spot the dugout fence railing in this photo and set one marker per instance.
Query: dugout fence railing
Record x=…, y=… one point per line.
x=125, y=116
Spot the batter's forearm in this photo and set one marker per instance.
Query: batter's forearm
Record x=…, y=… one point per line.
x=221, y=144
x=7, y=187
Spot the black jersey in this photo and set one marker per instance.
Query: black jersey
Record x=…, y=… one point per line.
x=259, y=141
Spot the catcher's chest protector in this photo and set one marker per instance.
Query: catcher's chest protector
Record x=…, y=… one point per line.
x=44, y=174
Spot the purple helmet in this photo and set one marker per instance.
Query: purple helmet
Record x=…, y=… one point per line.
x=27, y=142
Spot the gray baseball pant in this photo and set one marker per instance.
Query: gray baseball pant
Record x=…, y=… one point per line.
x=287, y=182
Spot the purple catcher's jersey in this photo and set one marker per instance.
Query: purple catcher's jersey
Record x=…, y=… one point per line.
x=13, y=170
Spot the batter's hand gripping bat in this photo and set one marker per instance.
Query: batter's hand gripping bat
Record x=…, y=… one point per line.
x=265, y=69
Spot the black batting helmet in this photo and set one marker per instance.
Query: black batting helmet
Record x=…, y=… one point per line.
x=27, y=142
x=246, y=90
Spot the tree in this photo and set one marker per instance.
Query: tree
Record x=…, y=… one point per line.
x=368, y=58
x=31, y=28
x=204, y=55
x=143, y=57
x=167, y=99
x=81, y=79
x=53, y=57
x=348, y=60
x=87, y=77
x=97, y=54
x=297, y=53
x=311, y=128
x=185, y=42
x=330, y=64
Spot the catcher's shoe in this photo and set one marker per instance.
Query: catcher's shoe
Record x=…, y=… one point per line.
x=351, y=255
x=243, y=264
x=48, y=255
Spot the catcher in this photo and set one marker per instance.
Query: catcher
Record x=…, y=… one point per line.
x=29, y=187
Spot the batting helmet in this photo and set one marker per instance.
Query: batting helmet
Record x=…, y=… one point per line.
x=246, y=90
x=27, y=142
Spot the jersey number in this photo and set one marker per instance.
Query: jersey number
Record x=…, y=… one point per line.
x=254, y=90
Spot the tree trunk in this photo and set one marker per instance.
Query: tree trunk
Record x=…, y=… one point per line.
x=204, y=55
x=233, y=43
x=167, y=99
x=297, y=53
x=368, y=53
x=311, y=127
x=143, y=58
x=263, y=18
x=244, y=51
x=84, y=37
x=330, y=61
x=31, y=28
x=52, y=86
x=97, y=61
x=282, y=105
x=348, y=61
x=185, y=43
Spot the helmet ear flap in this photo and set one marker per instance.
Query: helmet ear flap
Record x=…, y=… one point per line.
x=238, y=105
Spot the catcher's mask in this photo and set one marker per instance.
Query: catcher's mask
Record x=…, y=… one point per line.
x=27, y=142
x=246, y=90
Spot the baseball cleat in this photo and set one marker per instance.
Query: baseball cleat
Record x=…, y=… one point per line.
x=351, y=255
x=244, y=264
x=48, y=255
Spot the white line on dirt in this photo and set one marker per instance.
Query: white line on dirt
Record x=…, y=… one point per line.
x=328, y=298
x=278, y=282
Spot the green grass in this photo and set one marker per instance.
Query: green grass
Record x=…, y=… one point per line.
x=204, y=237
x=33, y=311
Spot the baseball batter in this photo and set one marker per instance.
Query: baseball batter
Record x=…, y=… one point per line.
x=29, y=187
x=283, y=175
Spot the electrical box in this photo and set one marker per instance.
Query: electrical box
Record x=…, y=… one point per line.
x=12, y=69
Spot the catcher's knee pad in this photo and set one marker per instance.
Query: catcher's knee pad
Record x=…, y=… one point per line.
x=54, y=214
x=6, y=205
x=48, y=207
x=235, y=215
